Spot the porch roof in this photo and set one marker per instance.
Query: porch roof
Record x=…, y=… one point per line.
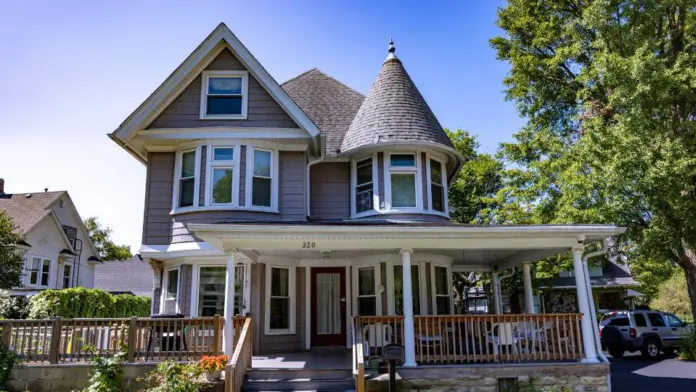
x=470, y=246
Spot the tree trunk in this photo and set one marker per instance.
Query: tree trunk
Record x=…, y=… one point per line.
x=687, y=260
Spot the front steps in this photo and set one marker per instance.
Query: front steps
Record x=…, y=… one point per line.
x=335, y=380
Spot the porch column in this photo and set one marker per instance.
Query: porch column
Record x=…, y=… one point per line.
x=228, y=336
x=409, y=334
x=588, y=339
x=528, y=294
x=496, y=293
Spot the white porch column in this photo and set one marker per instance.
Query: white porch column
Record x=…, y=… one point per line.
x=583, y=307
x=227, y=337
x=409, y=334
x=496, y=293
x=528, y=294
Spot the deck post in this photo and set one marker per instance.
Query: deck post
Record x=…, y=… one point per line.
x=409, y=333
x=54, y=351
x=528, y=294
x=588, y=341
x=228, y=335
x=132, y=333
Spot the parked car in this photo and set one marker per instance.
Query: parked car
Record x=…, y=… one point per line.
x=649, y=331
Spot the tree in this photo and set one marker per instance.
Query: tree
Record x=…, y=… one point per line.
x=11, y=259
x=672, y=295
x=607, y=88
x=101, y=239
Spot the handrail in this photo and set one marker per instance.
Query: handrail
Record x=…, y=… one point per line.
x=240, y=361
x=358, y=359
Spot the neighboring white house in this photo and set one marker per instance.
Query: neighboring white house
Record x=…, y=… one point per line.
x=57, y=250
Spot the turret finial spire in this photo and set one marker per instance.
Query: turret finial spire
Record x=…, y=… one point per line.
x=392, y=49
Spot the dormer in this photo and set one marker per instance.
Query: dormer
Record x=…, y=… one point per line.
x=401, y=158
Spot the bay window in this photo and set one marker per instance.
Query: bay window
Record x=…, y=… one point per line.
x=224, y=95
x=171, y=292
x=261, y=178
x=437, y=190
x=223, y=177
x=402, y=179
x=280, y=300
x=186, y=181
x=364, y=186
x=39, y=271
x=441, y=289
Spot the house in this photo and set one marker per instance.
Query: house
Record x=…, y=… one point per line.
x=57, y=249
x=132, y=276
x=612, y=288
x=322, y=213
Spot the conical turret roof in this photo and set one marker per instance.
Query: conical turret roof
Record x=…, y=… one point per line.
x=394, y=111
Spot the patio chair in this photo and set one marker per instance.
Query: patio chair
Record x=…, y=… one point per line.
x=376, y=336
x=428, y=337
x=503, y=334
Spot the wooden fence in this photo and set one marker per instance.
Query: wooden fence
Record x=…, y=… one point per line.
x=143, y=339
x=479, y=338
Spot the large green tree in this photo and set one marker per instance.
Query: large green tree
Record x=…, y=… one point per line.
x=11, y=260
x=101, y=239
x=608, y=91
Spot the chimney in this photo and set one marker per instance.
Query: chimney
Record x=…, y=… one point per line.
x=2, y=186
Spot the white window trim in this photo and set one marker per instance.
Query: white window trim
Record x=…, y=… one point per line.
x=354, y=184
x=250, y=177
x=421, y=287
x=70, y=277
x=196, y=278
x=196, y=180
x=205, y=76
x=210, y=164
x=378, y=284
x=165, y=289
x=29, y=262
x=443, y=171
x=388, y=170
x=293, y=298
x=433, y=288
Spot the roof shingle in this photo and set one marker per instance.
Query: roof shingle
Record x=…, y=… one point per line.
x=27, y=209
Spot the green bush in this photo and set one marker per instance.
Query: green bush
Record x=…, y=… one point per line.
x=13, y=307
x=86, y=303
x=672, y=295
x=106, y=372
x=176, y=377
x=7, y=361
x=687, y=351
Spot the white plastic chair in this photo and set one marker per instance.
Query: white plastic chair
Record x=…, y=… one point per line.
x=505, y=336
x=376, y=336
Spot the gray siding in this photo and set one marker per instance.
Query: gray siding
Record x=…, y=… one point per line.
x=282, y=343
x=291, y=202
x=263, y=110
x=158, y=198
x=330, y=191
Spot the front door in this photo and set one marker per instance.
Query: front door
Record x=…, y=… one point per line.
x=328, y=306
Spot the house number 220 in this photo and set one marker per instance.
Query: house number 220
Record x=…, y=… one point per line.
x=306, y=245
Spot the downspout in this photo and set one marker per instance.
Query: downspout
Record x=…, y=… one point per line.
x=593, y=313
x=500, y=292
x=322, y=156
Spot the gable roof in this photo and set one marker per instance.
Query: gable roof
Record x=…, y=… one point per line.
x=28, y=209
x=132, y=275
x=394, y=111
x=217, y=41
x=329, y=103
x=613, y=275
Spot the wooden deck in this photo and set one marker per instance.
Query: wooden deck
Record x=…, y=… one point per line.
x=306, y=360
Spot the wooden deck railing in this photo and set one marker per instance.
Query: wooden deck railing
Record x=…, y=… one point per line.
x=358, y=359
x=145, y=339
x=480, y=338
x=240, y=360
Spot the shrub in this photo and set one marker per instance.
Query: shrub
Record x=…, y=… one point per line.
x=106, y=372
x=80, y=302
x=687, y=351
x=13, y=307
x=672, y=295
x=176, y=377
x=7, y=361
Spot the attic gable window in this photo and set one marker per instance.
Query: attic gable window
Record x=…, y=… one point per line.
x=224, y=95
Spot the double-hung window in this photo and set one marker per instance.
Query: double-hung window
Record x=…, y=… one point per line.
x=67, y=276
x=398, y=287
x=442, y=292
x=280, y=300
x=39, y=271
x=211, y=290
x=186, y=179
x=364, y=186
x=438, y=194
x=224, y=95
x=171, y=294
x=403, y=188
x=366, y=304
x=222, y=176
x=262, y=178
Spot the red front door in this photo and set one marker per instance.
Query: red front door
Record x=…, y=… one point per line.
x=328, y=306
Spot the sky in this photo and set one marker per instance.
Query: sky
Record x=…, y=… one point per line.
x=71, y=71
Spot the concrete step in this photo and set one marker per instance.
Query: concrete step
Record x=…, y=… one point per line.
x=258, y=380
x=315, y=374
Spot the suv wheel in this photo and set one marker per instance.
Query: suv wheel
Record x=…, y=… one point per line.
x=616, y=350
x=651, y=348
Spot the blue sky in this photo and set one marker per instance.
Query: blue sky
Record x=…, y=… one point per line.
x=72, y=71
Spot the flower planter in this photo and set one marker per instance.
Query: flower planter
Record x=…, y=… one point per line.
x=212, y=376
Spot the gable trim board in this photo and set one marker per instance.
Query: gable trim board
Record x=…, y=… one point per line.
x=220, y=39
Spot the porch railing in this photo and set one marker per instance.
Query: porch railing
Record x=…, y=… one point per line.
x=358, y=359
x=144, y=339
x=240, y=361
x=479, y=338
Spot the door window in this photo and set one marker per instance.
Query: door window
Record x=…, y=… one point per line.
x=328, y=303
x=656, y=320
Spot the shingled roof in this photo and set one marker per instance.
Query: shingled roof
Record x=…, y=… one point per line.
x=394, y=111
x=330, y=104
x=27, y=209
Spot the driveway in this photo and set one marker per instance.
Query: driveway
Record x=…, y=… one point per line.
x=632, y=373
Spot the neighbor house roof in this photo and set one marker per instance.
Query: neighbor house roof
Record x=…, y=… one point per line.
x=394, y=111
x=132, y=275
x=614, y=275
x=330, y=104
x=28, y=209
